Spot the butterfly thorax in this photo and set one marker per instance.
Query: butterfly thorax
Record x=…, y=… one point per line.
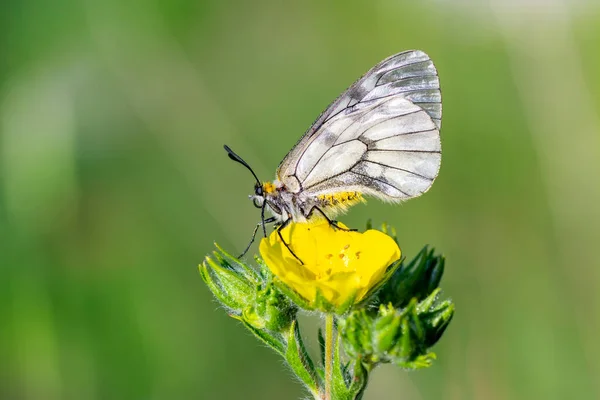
x=284, y=204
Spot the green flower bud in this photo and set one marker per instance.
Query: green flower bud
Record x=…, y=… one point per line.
x=411, y=342
x=415, y=279
x=230, y=287
x=270, y=310
x=248, y=295
x=437, y=321
x=395, y=335
x=356, y=330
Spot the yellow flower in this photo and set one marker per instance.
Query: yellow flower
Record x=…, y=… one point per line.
x=340, y=267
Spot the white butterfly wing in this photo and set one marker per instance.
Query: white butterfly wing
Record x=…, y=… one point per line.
x=380, y=137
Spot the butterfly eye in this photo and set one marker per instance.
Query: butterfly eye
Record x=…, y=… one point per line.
x=257, y=203
x=258, y=190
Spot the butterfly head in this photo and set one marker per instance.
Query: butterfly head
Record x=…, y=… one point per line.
x=258, y=198
x=265, y=193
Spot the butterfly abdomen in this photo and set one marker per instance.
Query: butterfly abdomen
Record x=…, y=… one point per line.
x=340, y=201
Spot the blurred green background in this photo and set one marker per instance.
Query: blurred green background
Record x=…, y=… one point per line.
x=114, y=184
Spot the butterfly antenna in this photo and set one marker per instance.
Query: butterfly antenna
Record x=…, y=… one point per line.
x=239, y=159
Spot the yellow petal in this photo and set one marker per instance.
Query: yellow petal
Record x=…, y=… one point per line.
x=337, y=263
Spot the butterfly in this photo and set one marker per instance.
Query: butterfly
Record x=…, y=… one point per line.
x=380, y=138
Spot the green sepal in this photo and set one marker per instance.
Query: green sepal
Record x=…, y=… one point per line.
x=437, y=321
x=319, y=304
x=435, y=315
x=419, y=362
x=429, y=302
x=346, y=305
x=435, y=272
x=263, y=270
x=389, y=273
x=323, y=305
x=390, y=231
x=410, y=343
x=299, y=360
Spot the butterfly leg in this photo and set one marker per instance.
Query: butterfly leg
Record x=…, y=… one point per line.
x=330, y=221
x=283, y=225
x=261, y=223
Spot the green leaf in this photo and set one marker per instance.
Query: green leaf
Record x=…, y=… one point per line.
x=321, y=339
x=428, y=303
x=360, y=379
x=266, y=337
x=299, y=360
x=346, y=305
x=422, y=361
x=339, y=382
x=348, y=383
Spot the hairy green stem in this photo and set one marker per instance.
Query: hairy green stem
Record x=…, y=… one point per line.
x=328, y=355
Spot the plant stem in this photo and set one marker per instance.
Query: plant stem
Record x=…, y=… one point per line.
x=328, y=355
